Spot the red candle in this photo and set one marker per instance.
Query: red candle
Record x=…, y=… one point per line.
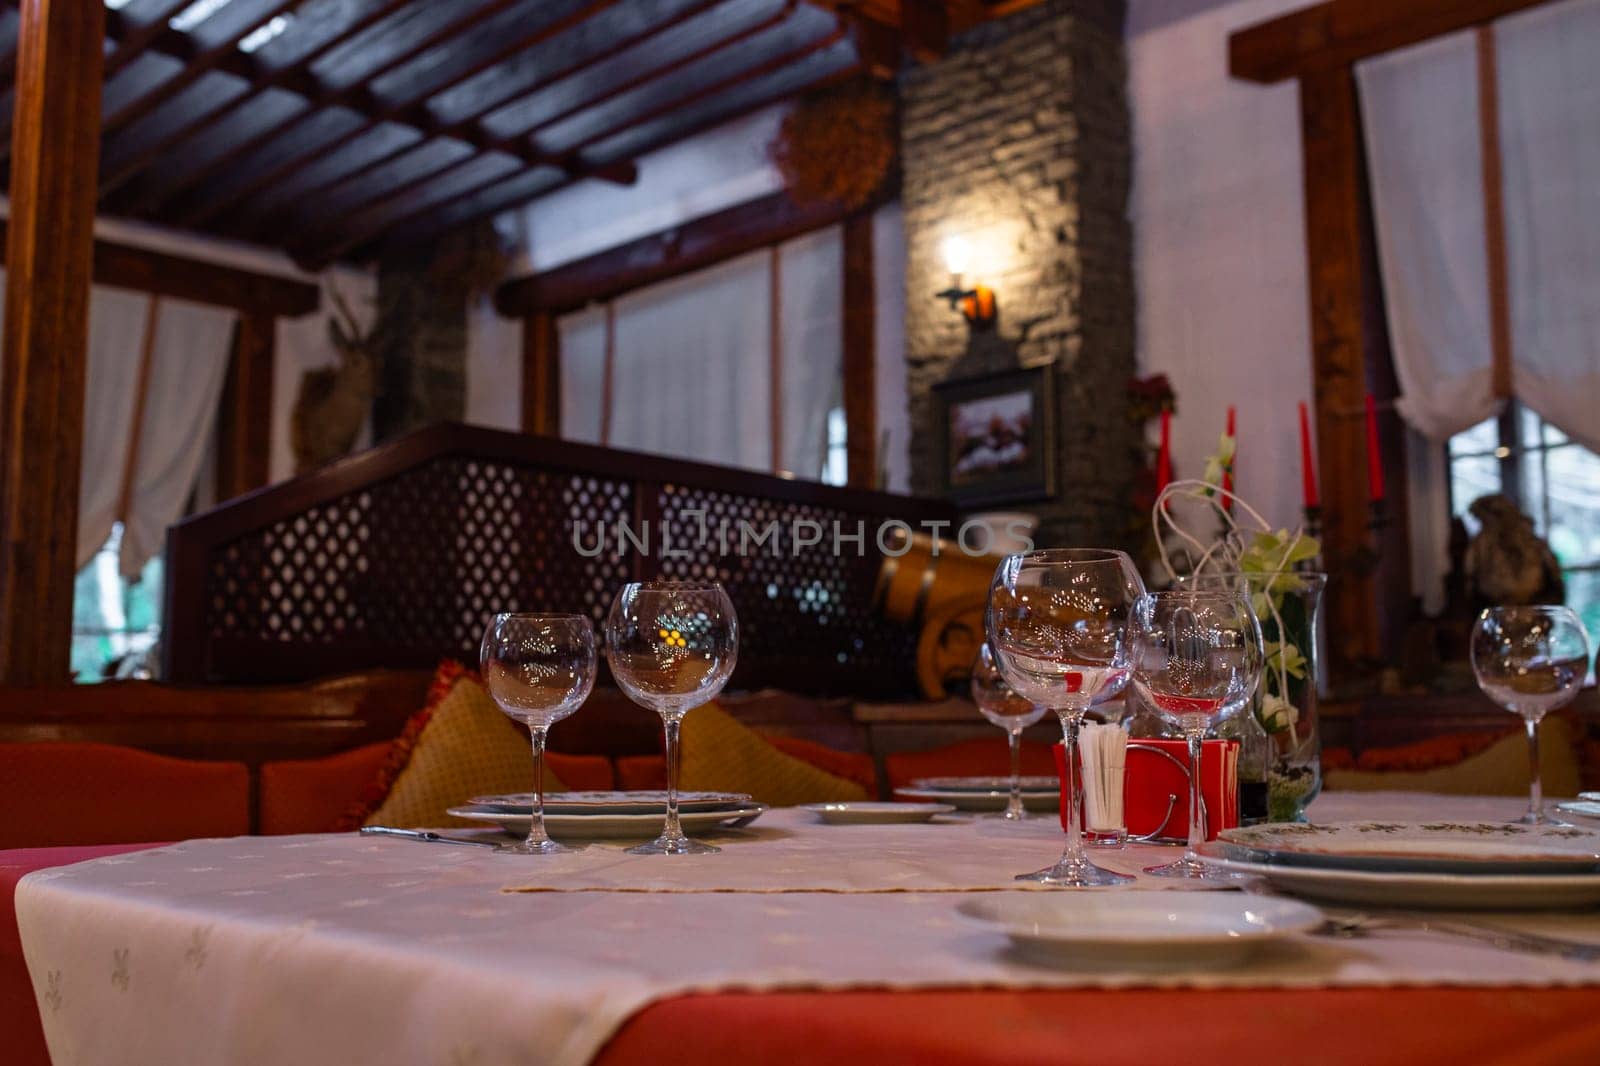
x=1308, y=473
x=1227, y=471
x=1164, y=456
x=1374, y=457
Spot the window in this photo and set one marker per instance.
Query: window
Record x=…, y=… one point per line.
x=1555, y=481
x=835, y=457
x=115, y=622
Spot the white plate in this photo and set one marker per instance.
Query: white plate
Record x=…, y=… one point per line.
x=1434, y=891
x=983, y=801
x=612, y=826
x=1140, y=930
x=1582, y=808
x=875, y=813
x=614, y=802
x=1030, y=783
x=1420, y=847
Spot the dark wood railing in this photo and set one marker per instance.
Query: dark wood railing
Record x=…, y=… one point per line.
x=397, y=556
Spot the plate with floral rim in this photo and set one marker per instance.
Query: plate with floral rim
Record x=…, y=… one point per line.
x=1466, y=848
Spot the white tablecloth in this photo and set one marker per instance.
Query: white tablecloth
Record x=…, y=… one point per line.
x=351, y=950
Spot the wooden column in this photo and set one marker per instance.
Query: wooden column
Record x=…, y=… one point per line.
x=860, y=353
x=1331, y=129
x=55, y=154
x=541, y=374
x=244, y=421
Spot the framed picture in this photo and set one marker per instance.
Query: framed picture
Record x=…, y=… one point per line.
x=996, y=436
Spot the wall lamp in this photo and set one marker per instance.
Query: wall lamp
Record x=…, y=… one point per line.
x=975, y=304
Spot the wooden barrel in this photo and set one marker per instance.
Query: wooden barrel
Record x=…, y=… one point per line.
x=942, y=595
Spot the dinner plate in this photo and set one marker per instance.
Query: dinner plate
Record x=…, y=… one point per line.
x=1140, y=930
x=876, y=813
x=611, y=802
x=1420, y=847
x=1419, y=890
x=1030, y=783
x=983, y=801
x=612, y=826
x=1581, y=808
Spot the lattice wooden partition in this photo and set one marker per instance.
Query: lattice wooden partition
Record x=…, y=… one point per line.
x=397, y=556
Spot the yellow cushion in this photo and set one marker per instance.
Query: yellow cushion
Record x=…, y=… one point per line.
x=1499, y=770
x=461, y=746
x=721, y=754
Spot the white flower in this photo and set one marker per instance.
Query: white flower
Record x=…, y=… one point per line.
x=1278, y=714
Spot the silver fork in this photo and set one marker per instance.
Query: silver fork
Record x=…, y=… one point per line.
x=1356, y=924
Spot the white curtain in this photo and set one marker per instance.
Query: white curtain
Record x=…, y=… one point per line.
x=116, y=326
x=1549, y=74
x=188, y=366
x=691, y=369
x=1419, y=108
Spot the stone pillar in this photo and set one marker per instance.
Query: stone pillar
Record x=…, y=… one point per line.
x=1019, y=141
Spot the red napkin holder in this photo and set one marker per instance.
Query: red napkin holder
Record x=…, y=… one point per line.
x=1157, y=772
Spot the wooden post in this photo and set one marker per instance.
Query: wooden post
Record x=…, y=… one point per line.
x=244, y=421
x=55, y=156
x=541, y=375
x=1331, y=131
x=860, y=353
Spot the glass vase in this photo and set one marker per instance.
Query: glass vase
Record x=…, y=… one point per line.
x=1285, y=703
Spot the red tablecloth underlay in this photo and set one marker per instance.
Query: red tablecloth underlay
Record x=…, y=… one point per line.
x=1373, y=1026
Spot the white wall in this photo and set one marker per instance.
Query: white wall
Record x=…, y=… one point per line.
x=1219, y=242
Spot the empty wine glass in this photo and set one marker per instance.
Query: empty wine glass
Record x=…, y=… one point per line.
x=672, y=646
x=1196, y=653
x=1530, y=660
x=999, y=702
x=1057, y=624
x=538, y=668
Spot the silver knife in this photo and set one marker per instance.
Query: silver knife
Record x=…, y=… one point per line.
x=422, y=834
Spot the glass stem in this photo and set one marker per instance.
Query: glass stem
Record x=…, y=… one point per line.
x=1197, y=823
x=672, y=829
x=1070, y=721
x=1535, y=788
x=1014, y=807
x=536, y=833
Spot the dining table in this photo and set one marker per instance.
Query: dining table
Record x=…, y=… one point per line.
x=799, y=942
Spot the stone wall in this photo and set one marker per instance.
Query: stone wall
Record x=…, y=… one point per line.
x=1018, y=140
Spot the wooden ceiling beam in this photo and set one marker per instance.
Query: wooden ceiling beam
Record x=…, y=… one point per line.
x=375, y=219
x=355, y=96
x=133, y=38
x=245, y=17
x=122, y=158
x=468, y=207
x=469, y=127
x=412, y=111
x=1342, y=32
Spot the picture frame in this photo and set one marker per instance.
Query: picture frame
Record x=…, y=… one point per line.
x=996, y=436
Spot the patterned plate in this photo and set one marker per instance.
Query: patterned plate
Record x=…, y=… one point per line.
x=983, y=801
x=1434, y=847
x=612, y=825
x=612, y=802
x=1034, y=783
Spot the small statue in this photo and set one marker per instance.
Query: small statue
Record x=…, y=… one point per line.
x=334, y=401
x=1507, y=562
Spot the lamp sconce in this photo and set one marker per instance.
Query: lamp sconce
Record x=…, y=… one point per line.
x=975, y=304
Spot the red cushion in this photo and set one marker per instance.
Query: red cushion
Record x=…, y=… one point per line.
x=581, y=773
x=851, y=765
x=641, y=773
x=310, y=795
x=58, y=793
x=983, y=756
x=19, y=1011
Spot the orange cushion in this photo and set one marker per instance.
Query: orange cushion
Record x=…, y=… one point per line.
x=311, y=795
x=982, y=756
x=55, y=794
x=851, y=765
x=583, y=773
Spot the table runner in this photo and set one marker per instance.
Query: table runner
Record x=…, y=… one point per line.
x=350, y=950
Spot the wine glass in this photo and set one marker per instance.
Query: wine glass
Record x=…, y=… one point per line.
x=538, y=668
x=999, y=702
x=671, y=646
x=1530, y=660
x=1196, y=654
x=1057, y=623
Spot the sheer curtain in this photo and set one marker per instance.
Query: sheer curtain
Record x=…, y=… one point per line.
x=691, y=362
x=1550, y=140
